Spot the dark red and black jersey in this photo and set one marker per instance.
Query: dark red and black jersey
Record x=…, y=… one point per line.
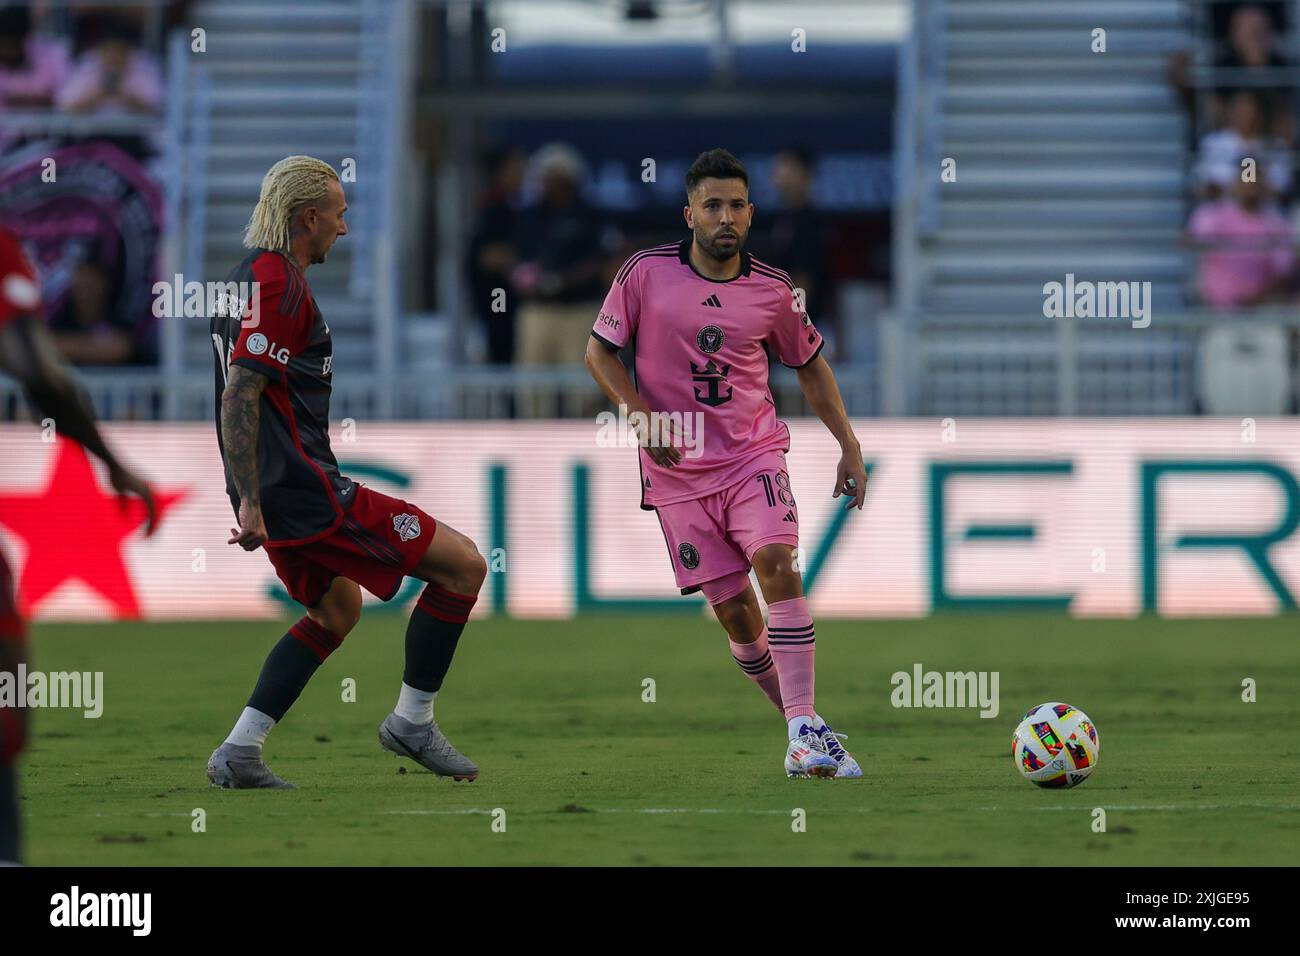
x=277, y=330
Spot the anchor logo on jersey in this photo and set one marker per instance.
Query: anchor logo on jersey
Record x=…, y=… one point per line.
x=713, y=377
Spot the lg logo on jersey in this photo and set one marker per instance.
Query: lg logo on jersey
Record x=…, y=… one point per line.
x=257, y=344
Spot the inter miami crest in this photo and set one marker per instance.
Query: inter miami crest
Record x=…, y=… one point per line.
x=690, y=557
x=709, y=339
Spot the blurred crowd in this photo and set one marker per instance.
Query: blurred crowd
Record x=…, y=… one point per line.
x=82, y=84
x=1244, y=221
x=553, y=255
x=101, y=69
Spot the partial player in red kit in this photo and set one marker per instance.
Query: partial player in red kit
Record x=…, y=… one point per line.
x=701, y=317
x=28, y=354
x=326, y=536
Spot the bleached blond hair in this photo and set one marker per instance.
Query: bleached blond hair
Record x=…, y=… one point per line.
x=290, y=184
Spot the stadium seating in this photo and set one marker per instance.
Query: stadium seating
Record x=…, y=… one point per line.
x=280, y=79
x=1068, y=161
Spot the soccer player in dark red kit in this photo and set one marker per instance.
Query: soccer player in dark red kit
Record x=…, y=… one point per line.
x=702, y=316
x=28, y=353
x=326, y=536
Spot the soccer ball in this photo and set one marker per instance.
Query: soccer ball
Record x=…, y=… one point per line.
x=1055, y=746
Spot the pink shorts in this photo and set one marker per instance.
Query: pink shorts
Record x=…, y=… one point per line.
x=712, y=540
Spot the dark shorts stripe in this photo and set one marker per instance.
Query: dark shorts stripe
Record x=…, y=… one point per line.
x=365, y=546
x=376, y=546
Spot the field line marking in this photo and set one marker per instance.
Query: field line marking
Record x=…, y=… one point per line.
x=482, y=811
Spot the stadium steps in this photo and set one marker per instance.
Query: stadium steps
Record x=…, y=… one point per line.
x=284, y=78
x=1020, y=302
x=1068, y=161
x=1026, y=130
x=1031, y=213
x=1027, y=15
x=976, y=67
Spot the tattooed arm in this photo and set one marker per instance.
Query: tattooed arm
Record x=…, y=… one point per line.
x=240, y=416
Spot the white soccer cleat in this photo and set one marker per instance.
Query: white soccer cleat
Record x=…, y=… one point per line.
x=848, y=767
x=807, y=757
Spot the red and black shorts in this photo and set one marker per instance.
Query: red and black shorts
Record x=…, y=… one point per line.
x=13, y=651
x=380, y=542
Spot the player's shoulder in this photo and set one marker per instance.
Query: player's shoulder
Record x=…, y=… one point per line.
x=276, y=276
x=765, y=272
x=645, y=260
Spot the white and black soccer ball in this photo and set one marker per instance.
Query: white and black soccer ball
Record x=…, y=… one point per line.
x=1055, y=746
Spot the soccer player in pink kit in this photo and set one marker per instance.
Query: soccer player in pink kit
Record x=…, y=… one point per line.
x=701, y=315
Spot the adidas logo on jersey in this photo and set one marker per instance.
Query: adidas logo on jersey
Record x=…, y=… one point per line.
x=712, y=302
x=789, y=516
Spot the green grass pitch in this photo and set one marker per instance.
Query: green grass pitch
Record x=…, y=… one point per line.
x=588, y=773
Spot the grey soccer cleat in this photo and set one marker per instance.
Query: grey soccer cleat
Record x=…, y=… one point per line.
x=425, y=744
x=237, y=767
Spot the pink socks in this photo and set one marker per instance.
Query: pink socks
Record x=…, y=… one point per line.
x=792, y=642
x=756, y=661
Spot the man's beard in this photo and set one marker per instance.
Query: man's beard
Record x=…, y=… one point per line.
x=715, y=251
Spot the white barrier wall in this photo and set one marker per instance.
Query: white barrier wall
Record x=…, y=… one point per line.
x=1100, y=517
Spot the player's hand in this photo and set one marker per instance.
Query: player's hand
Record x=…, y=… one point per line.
x=851, y=479
x=251, y=533
x=126, y=482
x=665, y=456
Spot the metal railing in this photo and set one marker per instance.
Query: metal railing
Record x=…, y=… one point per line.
x=992, y=364
x=473, y=393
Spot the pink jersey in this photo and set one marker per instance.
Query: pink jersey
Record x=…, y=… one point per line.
x=1250, y=251
x=698, y=345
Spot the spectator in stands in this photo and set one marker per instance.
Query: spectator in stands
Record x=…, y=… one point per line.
x=115, y=76
x=1246, y=136
x=32, y=68
x=148, y=21
x=794, y=239
x=492, y=257
x=1246, y=41
x=86, y=331
x=1253, y=46
x=561, y=247
x=1249, y=248
x=1251, y=43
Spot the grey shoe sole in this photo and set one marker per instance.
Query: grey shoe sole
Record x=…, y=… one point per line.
x=391, y=742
